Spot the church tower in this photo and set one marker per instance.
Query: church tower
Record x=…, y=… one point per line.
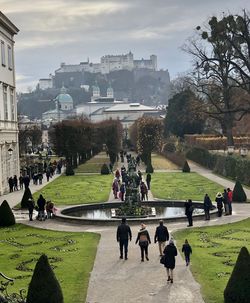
x=110, y=92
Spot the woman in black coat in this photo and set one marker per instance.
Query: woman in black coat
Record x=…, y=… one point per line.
x=170, y=252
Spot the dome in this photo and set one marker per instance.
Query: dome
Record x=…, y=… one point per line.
x=63, y=97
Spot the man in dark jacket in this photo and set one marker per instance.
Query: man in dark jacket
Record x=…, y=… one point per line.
x=122, y=235
x=161, y=235
x=207, y=206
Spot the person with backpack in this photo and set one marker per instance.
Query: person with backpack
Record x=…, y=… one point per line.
x=144, y=240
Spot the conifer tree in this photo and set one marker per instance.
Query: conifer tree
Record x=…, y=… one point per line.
x=7, y=217
x=239, y=194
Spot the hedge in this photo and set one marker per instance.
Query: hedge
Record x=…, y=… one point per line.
x=231, y=167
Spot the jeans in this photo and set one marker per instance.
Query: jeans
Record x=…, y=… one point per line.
x=144, y=249
x=124, y=244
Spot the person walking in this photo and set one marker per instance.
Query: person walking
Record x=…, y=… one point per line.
x=41, y=208
x=207, y=206
x=123, y=234
x=31, y=206
x=115, y=188
x=230, y=200
x=187, y=250
x=15, y=182
x=144, y=191
x=122, y=191
x=219, y=201
x=170, y=252
x=148, y=180
x=225, y=201
x=21, y=182
x=161, y=236
x=11, y=184
x=189, y=208
x=144, y=240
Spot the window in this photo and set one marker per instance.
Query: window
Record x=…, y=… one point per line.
x=3, y=53
x=12, y=104
x=10, y=61
x=5, y=102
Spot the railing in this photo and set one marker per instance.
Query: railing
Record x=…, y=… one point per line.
x=5, y=296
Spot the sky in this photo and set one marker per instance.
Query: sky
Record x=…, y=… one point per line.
x=71, y=31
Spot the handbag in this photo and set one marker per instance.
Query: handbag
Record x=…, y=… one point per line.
x=162, y=259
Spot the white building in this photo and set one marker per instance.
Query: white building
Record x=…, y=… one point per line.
x=9, y=151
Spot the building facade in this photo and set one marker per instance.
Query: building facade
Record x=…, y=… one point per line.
x=9, y=150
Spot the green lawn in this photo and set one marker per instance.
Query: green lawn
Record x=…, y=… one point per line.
x=183, y=186
x=82, y=189
x=159, y=162
x=215, y=250
x=93, y=165
x=70, y=254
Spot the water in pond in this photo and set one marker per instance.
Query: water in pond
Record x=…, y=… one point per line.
x=105, y=213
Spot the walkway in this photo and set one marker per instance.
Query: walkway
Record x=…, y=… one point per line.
x=113, y=280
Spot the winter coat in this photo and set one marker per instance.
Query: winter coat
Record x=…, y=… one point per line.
x=41, y=203
x=143, y=237
x=189, y=208
x=123, y=232
x=219, y=202
x=186, y=249
x=170, y=252
x=207, y=203
x=161, y=234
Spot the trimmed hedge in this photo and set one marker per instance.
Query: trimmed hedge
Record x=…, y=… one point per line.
x=7, y=217
x=239, y=194
x=232, y=167
x=177, y=158
x=186, y=168
x=105, y=169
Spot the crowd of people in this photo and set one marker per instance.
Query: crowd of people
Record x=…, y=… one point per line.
x=168, y=251
x=45, y=209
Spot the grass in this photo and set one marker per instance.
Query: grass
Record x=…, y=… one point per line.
x=215, y=250
x=81, y=189
x=182, y=186
x=159, y=162
x=94, y=164
x=70, y=254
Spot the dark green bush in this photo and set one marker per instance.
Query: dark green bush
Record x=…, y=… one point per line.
x=26, y=196
x=105, y=169
x=44, y=287
x=186, y=168
x=239, y=194
x=149, y=169
x=237, y=289
x=6, y=215
x=69, y=171
x=169, y=147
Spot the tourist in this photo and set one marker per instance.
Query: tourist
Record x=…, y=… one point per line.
x=115, y=188
x=230, y=200
x=144, y=240
x=144, y=191
x=122, y=235
x=219, y=201
x=26, y=181
x=122, y=191
x=207, y=206
x=187, y=250
x=225, y=201
x=189, y=208
x=139, y=175
x=11, y=184
x=31, y=206
x=117, y=174
x=40, y=178
x=49, y=209
x=161, y=236
x=15, y=182
x=21, y=182
x=148, y=180
x=170, y=252
x=41, y=208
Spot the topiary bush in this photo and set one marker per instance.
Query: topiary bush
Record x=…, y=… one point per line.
x=186, y=168
x=69, y=171
x=149, y=169
x=239, y=194
x=26, y=196
x=7, y=217
x=44, y=286
x=105, y=169
x=237, y=289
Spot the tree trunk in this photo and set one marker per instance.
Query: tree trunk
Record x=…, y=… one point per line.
x=229, y=135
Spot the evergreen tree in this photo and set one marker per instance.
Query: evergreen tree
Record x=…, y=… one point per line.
x=26, y=196
x=186, y=168
x=6, y=215
x=44, y=287
x=104, y=169
x=237, y=289
x=239, y=194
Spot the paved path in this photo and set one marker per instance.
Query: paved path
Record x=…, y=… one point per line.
x=113, y=280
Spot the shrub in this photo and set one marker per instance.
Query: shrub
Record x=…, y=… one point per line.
x=6, y=215
x=237, y=289
x=69, y=171
x=239, y=194
x=177, y=158
x=26, y=196
x=44, y=287
x=186, y=168
x=149, y=169
x=105, y=169
x=169, y=147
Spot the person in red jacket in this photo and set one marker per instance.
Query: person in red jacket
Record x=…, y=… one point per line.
x=230, y=200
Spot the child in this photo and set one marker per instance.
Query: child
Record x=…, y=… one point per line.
x=187, y=250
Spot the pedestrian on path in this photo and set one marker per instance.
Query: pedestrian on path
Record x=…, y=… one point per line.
x=148, y=180
x=219, y=201
x=189, y=208
x=144, y=191
x=207, y=206
x=31, y=206
x=161, y=236
x=123, y=234
x=170, y=253
x=230, y=200
x=225, y=201
x=144, y=240
x=41, y=208
x=11, y=184
x=115, y=188
x=187, y=250
x=21, y=182
x=122, y=191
